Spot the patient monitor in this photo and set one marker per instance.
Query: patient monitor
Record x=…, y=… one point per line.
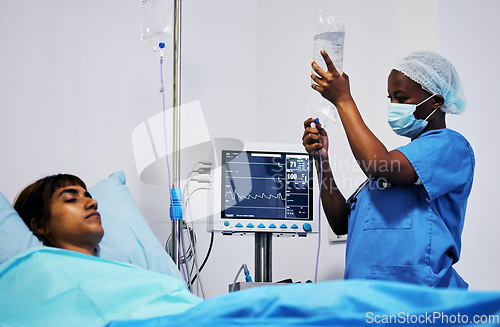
x=263, y=187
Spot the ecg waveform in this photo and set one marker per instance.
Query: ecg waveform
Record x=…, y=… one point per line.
x=232, y=195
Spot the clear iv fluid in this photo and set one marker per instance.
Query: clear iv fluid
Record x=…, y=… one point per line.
x=333, y=44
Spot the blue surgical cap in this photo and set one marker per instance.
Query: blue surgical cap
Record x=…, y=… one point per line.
x=436, y=75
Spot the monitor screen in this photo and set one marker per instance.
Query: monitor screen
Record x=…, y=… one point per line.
x=278, y=183
x=264, y=191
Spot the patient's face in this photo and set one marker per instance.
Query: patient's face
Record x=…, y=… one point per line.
x=74, y=221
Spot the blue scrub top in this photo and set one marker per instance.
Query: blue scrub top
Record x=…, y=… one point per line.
x=412, y=233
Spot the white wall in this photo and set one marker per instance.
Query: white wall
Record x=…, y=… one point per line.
x=467, y=31
x=76, y=80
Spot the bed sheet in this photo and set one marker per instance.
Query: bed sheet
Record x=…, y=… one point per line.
x=55, y=287
x=339, y=303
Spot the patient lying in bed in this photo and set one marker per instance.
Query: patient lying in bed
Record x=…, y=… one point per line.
x=62, y=214
x=127, y=236
x=71, y=282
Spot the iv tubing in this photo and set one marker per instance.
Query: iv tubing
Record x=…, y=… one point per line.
x=185, y=271
x=319, y=217
x=162, y=90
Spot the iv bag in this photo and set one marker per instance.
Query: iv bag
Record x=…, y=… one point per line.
x=156, y=21
x=329, y=36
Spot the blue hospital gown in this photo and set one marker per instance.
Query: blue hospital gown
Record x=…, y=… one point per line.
x=412, y=233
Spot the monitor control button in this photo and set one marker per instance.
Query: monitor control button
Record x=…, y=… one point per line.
x=261, y=225
x=239, y=225
x=272, y=226
x=294, y=226
x=283, y=226
x=250, y=225
x=307, y=227
x=226, y=223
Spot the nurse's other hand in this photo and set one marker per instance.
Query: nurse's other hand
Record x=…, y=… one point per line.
x=315, y=139
x=330, y=84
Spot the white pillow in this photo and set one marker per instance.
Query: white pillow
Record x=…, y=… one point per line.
x=15, y=236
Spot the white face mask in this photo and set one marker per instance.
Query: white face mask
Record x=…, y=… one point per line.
x=402, y=120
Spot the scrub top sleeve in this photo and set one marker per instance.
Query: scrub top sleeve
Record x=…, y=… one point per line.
x=443, y=160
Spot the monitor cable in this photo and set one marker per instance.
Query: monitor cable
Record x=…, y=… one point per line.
x=248, y=278
x=206, y=256
x=200, y=173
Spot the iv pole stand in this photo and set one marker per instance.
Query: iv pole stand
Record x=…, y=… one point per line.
x=176, y=223
x=263, y=257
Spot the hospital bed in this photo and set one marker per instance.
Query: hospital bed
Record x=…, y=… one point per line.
x=134, y=283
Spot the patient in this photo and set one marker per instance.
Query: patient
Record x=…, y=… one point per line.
x=61, y=213
x=72, y=282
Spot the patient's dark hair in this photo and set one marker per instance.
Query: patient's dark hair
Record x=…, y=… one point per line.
x=32, y=204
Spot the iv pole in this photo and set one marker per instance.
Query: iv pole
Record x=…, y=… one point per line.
x=263, y=270
x=176, y=223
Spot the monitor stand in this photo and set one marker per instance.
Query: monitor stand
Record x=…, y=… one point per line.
x=263, y=257
x=263, y=263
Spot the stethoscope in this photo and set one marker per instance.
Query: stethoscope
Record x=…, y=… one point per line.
x=353, y=198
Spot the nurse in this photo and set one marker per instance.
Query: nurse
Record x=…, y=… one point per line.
x=405, y=222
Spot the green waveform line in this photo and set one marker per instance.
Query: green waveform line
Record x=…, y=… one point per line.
x=253, y=197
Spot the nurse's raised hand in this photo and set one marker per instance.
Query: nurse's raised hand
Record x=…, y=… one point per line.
x=315, y=139
x=330, y=84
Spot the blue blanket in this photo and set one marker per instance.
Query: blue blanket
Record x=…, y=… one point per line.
x=53, y=287
x=339, y=303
